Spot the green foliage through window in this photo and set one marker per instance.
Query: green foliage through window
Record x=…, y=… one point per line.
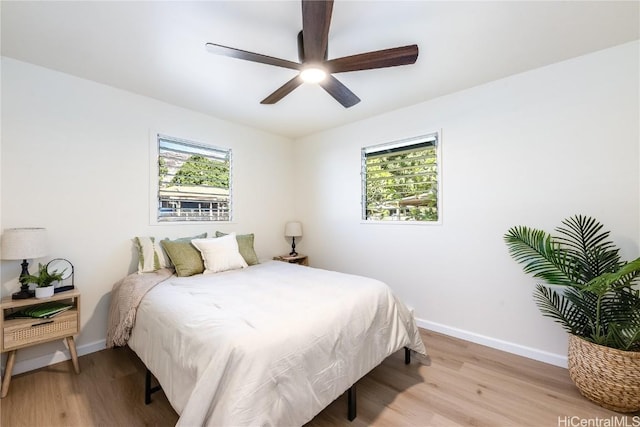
x=199, y=170
x=194, y=181
x=400, y=180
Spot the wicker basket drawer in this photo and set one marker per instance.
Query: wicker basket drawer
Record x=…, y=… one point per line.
x=23, y=332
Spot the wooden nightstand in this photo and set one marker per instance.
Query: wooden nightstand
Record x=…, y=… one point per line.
x=298, y=259
x=19, y=333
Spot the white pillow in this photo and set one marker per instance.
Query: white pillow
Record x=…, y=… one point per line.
x=220, y=254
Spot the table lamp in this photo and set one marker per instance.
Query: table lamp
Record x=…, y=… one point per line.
x=293, y=229
x=23, y=244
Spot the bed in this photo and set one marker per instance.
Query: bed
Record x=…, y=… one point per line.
x=271, y=344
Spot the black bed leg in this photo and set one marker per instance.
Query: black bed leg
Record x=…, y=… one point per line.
x=351, y=403
x=148, y=389
x=407, y=356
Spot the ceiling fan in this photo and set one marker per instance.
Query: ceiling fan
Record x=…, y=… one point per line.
x=314, y=66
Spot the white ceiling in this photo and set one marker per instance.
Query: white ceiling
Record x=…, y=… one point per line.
x=157, y=49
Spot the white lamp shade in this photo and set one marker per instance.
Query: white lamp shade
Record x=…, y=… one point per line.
x=293, y=229
x=24, y=243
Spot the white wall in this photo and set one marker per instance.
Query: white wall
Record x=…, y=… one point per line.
x=531, y=149
x=75, y=159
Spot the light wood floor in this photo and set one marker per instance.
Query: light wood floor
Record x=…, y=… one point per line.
x=464, y=384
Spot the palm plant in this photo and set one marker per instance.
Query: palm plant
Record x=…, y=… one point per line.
x=588, y=289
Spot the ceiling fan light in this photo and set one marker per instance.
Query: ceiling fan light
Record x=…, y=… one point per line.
x=313, y=75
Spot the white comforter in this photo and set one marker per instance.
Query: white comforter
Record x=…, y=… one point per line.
x=269, y=345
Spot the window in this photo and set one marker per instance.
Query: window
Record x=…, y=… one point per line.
x=400, y=180
x=194, y=181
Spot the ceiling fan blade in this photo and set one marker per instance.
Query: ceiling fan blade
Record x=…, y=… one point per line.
x=250, y=56
x=283, y=91
x=316, y=18
x=339, y=91
x=404, y=55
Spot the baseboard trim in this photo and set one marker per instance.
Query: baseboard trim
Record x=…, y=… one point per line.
x=59, y=356
x=509, y=347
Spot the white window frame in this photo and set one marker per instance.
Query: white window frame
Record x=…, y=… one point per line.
x=154, y=200
x=437, y=137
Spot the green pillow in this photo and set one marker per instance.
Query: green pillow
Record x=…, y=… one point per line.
x=185, y=257
x=245, y=246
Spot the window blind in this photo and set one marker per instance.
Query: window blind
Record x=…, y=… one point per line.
x=400, y=180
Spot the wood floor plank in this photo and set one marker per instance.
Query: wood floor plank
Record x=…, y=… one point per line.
x=461, y=384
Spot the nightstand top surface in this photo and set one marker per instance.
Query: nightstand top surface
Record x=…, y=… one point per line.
x=290, y=257
x=8, y=302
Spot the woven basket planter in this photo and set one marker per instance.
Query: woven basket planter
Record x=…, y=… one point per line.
x=607, y=376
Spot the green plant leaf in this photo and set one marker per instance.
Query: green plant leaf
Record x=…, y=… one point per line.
x=622, y=277
x=556, y=306
x=585, y=242
x=540, y=255
x=44, y=278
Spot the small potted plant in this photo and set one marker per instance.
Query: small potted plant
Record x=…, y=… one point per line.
x=44, y=281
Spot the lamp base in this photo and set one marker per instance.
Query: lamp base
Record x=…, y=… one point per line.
x=24, y=292
x=293, y=247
